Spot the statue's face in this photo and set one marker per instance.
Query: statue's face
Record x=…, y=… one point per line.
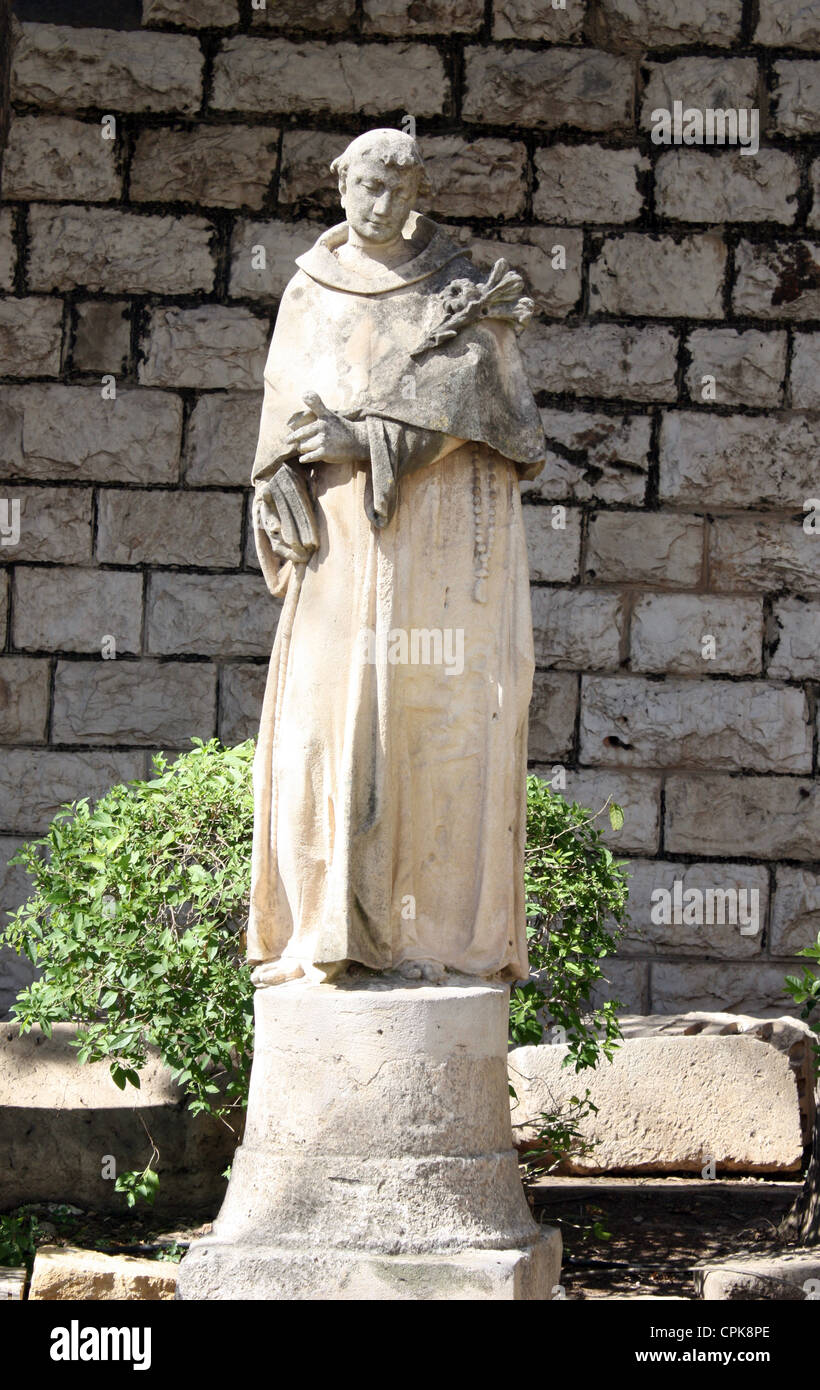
x=378, y=199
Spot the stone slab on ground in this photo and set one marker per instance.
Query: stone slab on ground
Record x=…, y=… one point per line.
x=66, y=1272
x=671, y=1104
x=792, y=1276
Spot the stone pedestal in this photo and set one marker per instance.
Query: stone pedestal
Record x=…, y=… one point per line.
x=377, y=1161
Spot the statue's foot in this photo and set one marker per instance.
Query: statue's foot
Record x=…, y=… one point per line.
x=327, y=972
x=276, y=972
x=430, y=970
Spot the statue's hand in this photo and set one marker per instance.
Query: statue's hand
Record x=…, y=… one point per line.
x=329, y=438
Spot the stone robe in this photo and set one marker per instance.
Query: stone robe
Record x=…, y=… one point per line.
x=389, y=778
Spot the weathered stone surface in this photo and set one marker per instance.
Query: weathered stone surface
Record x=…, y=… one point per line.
x=212, y=347
x=58, y=1117
x=66, y=1272
x=191, y=14
x=663, y=24
x=8, y=252
x=797, y=96
x=148, y=703
x=549, y=88
x=277, y=75
x=399, y=17
x=55, y=525
x=221, y=439
x=795, y=920
x=814, y=181
x=603, y=359
x=102, y=341
x=532, y=19
x=637, y=793
x=229, y=615
x=24, y=699
x=552, y=714
x=749, y=367
x=226, y=166
x=805, y=373
x=119, y=70
x=738, y=460
x=792, y=23
x=536, y=253
x=659, y=276
x=763, y=553
x=777, y=282
x=763, y=817
x=13, y=1283
x=796, y=629
x=73, y=610
x=577, y=629
x=553, y=543
x=669, y=633
x=738, y=911
x=119, y=252
x=282, y=243
x=4, y=599
x=724, y=724
x=35, y=782
x=593, y=457
x=693, y=186
x=60, y=159
x=174, y=528
x=672, y=1104
x=241, y=689
x=719, y=83
x=475, y=178
x=651, y=547
x=624, y=980
x=31, y=336
x=70, y=432
x=587, y=183
x=747, y=987
x=786, y=1277
x=326, y=16
x=305, y=170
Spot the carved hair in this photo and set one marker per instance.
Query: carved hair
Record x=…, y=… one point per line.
x=394, y=148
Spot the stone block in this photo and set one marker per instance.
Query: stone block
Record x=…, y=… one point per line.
x=795, y=911
x=66, y=1272
x=102, y=337
x=145, y=703
x=241, y=690
x=577, y=629
x=693, y=186
x=638, y=795
x=670, y=1104
x=749, y=368
x=277, y=75
x=400, y=18
x=203, y=529
x=548, y=88
x=226, y=166
x=55, y=525
x=36, y=782
x=746, y=987
x=603, y=359
x=325, y=16
x=31, y=335
x=713, y=909
x=74, y=610
x=13, y=1284
x=738, y=460
x=777, y=282
x=282, y=243
x=795, y=640
x=788, y=24
x=790, y=1276
x=759, y=817
x=221, y=439
x=58, y=159
x=212, y=347
x=659, y=276
x=687, y=723
x=762, y=553
x=8, y=251
x=626, y=981
x=72, y=433
x=553, y=712
x=719, y=83
x=191, y=14
x=796, y=96
x=805, y=372
x=475, y=178
x=57, y=66
x=587, y=183
x=305, y=175
x=225, y=615
x=645, y=547
x=24, y=699
x=669, y=634
x=590, y=457
x=663, y=24
x=119, y=252
x=814, y=183
x=553, y=543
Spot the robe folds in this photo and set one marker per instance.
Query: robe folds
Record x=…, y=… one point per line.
x=390, y=770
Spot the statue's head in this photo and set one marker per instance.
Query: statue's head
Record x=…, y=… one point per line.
x=381, y=176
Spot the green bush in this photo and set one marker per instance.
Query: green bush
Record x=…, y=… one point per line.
x=137, y=922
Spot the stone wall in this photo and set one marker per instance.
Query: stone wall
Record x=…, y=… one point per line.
x=670, y=511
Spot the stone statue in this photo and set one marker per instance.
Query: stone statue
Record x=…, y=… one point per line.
x=389, y=779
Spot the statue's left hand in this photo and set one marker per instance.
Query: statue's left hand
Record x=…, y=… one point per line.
x=329, y=438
